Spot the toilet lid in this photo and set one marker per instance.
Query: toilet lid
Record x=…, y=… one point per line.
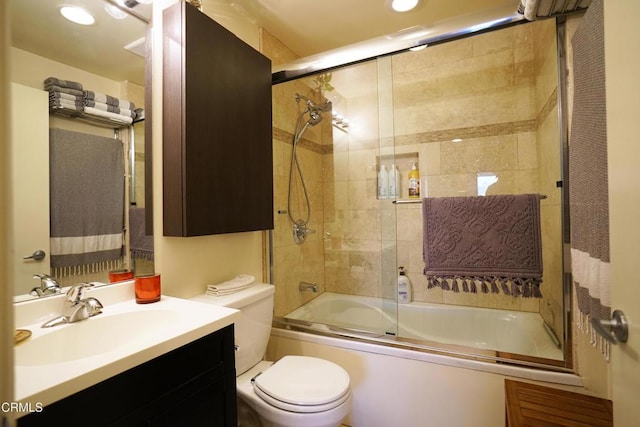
x=303, y=384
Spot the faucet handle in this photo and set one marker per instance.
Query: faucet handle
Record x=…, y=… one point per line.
x=94, y=306
x=76, y=292
x=48, y=285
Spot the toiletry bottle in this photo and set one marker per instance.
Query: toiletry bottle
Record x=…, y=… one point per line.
x=383, y=183
x=414, y=182
x=404, y=287
x=394, y=182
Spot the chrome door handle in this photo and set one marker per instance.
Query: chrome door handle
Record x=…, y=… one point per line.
x=37, y=255
x=615, y=330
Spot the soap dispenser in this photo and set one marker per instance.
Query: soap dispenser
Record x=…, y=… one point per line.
x=404, y=287
x=414, y=182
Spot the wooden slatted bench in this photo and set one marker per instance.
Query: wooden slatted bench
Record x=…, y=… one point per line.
x=534, y=405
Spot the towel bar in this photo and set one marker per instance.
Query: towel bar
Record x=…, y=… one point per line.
x=411, y=201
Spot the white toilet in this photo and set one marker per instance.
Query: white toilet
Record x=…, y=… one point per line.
x=292, y=392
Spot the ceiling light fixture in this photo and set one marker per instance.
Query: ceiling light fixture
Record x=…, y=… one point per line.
x=403, y=5
x=77, y=15
x=418, y=48
x=115, y=11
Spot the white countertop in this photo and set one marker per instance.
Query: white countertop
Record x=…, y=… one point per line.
x=42, y=384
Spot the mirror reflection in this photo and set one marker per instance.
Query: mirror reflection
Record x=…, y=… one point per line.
x=77, y=144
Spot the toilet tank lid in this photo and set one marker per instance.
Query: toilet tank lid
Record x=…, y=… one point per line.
x=238, y=299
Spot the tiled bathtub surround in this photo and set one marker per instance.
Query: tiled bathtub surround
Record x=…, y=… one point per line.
x=496, y=92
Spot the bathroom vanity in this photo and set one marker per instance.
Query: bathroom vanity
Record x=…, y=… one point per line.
x=167, y=363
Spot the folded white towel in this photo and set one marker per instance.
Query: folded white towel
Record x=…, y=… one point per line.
x=237, y=284
x=108, y=115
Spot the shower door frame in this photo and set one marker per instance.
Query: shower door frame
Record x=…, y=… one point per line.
x=565, y=365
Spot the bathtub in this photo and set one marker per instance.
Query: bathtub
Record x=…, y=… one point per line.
x=487, y=330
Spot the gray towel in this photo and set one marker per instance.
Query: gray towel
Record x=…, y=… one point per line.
x=108, y=99
x=50, y=81
x=110, y=108
x=87, y=200
x=490, y=242
x=53, y=95
x=140, y=245
x=588, y=173
x=54, y=88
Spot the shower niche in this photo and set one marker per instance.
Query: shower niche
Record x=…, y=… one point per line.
x=401, y=164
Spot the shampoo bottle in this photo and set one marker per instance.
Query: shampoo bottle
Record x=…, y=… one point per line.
x=383, y=183
x=414, y=182
x=394, y=182
x=404, y=287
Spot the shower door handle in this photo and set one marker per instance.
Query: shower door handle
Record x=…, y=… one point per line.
x=615, y=330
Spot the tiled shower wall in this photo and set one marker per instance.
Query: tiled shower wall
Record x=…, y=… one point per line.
x=496, y=92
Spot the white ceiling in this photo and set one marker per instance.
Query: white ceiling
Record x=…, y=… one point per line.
x=309, y=27
x=305, y=26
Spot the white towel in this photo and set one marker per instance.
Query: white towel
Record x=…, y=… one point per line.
x=108, y=115
x=237, y=284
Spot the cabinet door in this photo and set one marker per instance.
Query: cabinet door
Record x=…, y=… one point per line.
x=193, y=385
x=217, y=132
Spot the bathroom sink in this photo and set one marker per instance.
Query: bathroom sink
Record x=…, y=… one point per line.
x=94, y=336
x=58, y=361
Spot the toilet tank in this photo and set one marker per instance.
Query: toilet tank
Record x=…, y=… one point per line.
x=253, y=328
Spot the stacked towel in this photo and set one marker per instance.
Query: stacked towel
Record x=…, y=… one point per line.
x=64, y=94
x=241, y=282
x=70, y=95
x=107, y=106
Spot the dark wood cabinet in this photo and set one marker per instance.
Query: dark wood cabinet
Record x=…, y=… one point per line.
x=194, y=385
x=217, y=138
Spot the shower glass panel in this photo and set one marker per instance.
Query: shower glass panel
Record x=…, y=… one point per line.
x=476, y=116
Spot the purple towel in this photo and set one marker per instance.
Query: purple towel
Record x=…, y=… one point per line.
x=141, y=245
x=492, y=242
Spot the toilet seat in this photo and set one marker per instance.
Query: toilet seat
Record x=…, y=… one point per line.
x=303, y=384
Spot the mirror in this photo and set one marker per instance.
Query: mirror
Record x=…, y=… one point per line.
x=106, y=57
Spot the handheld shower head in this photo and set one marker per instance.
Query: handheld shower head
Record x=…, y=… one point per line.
x=315, y=111
x=326, y=106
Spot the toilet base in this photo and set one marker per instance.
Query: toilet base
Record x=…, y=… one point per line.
x=251, y=406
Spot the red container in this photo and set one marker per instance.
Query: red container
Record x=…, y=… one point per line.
x=147, y=288
x=120, y=275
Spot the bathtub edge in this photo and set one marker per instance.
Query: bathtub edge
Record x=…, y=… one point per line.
x=569, y=379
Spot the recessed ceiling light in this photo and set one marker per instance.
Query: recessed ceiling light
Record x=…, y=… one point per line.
x=403, y=5
x=77, y=15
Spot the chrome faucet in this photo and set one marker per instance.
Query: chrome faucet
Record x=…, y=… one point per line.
x=48, y=286
x=76, y=307
x=306, y=286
